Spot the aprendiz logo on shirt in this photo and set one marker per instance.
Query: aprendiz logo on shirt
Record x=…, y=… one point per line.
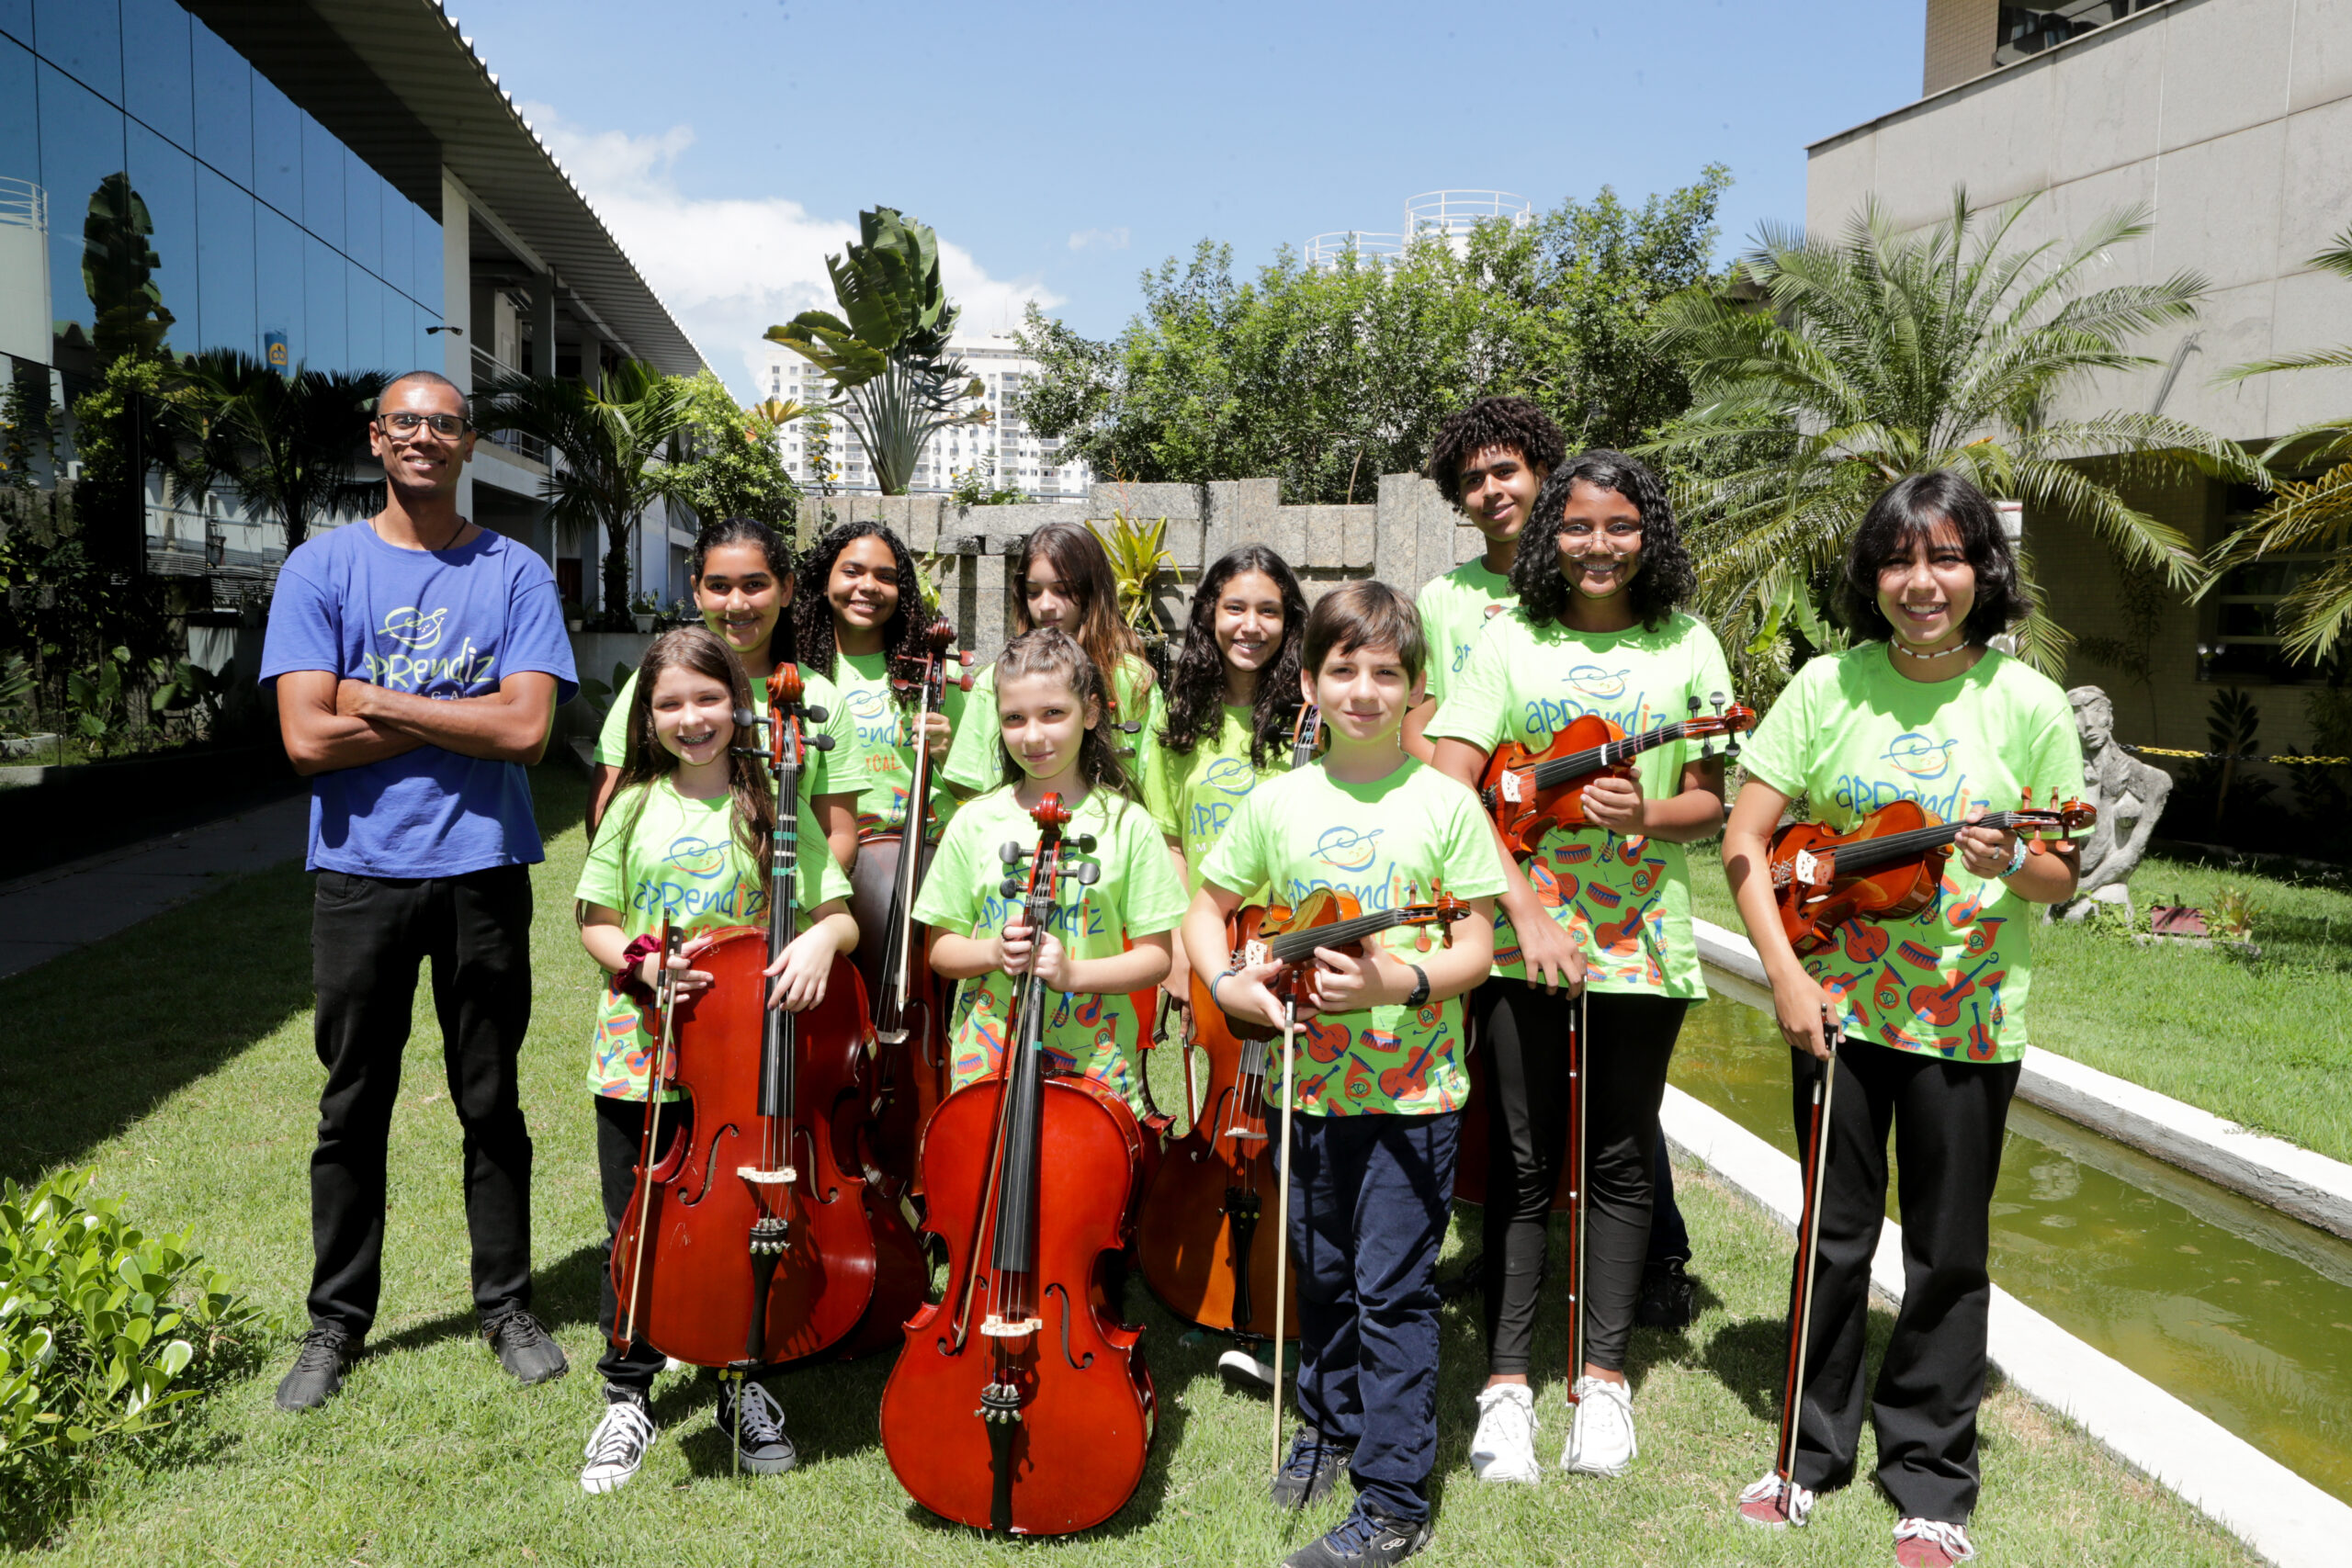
x=1462, y=649
x=1599, y=694
x=417, y=632
x=1229, y=776
x=1596, y=684
x=1373, y=882
x=1918, y=760
x=693, y=882
x=1347, y=848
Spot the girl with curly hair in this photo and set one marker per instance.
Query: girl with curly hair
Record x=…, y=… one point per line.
x=1603, y=907
x=868, y=614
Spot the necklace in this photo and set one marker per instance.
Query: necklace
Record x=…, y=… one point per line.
x=376, y=524
x=1897, y=643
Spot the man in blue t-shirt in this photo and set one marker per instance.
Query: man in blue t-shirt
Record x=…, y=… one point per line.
x=417, y=661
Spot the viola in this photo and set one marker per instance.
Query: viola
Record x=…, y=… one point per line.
x=1325, y=918
x=1890, y=867
x=1529, y=792
x=754, y=1240
x=1018, y=1404
x=909, y=1015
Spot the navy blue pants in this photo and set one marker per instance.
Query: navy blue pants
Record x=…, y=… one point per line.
x=1368, y=1202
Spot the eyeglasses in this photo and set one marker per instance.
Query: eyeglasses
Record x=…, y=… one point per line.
x=1583, y=531
x=448, y=426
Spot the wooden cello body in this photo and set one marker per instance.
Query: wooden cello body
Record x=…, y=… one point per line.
x=1018, y=1404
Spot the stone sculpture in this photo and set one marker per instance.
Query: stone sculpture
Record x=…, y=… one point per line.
x=2130, y=796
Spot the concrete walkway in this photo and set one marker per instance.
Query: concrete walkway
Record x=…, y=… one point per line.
x=68, y=906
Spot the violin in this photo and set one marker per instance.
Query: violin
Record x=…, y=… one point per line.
x=909, y=1014
x=753, y=1240
x=1529, y=792
x=1325, y=918
x=1890, y=867
x=1018, y=1404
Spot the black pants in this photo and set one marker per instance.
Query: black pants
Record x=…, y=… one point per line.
x=1948, y=1118
x=621, y=1134
x=1369, y=1197
x=1670, y=1238
x=1525, y=1029
x=367, y=937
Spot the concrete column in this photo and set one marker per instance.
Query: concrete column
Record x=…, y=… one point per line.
x=456, y=304
x=542, y=325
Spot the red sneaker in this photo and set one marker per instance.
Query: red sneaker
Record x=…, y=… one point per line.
x=1776, y=1504
x=1930, y=1543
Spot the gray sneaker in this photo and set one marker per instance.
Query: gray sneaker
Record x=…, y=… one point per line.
x=754, y=1424
x=1314, y=1467
x=523, y=1347
x=327, y=1352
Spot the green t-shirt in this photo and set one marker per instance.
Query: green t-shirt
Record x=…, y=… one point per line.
x=1850, y=735
x=1135, y=894
x=975, y=757
x=1385, y=844
x=683, y=856
x=1453, y=607
x=877, y=762
x=1192, y=795
x=612, y=741
x=1626, y=900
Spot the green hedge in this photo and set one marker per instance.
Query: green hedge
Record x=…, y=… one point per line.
x=105, y=1333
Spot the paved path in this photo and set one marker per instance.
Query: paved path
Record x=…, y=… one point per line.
x=61, y=909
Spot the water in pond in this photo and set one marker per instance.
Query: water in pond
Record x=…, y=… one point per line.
x=2232, y=1307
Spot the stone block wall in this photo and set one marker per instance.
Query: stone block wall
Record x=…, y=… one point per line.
x=1404, y=536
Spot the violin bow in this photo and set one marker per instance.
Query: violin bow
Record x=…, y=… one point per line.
x=1579, y=1059
x=1281, y=1219
x=665, y=995
x=1825, y=1084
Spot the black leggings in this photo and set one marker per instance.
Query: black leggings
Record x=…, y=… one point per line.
x=1523, y=1029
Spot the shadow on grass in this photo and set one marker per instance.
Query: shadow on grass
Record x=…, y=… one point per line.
x=1750, y=1358
x=563, y=1294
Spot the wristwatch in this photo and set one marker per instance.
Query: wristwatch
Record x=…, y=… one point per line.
x=1421, y=985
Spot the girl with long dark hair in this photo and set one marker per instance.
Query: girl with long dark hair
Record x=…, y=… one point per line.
x=741, y=572
x=1603, y=907
x=1921, y=708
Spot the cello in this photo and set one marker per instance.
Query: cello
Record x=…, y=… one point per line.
x=752, y=1241
x=1890, y=865
x=1018, y=1404
x=909, y=1018
x=1197, y=1241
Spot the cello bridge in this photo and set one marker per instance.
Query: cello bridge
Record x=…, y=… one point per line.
x=782, y=1176
x=998, y=1328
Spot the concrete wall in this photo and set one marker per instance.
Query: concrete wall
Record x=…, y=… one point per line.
x=1404, y=537
x=2231, y=119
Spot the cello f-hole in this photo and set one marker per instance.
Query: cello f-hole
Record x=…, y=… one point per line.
x=1056, y=1290
x=709, y=1167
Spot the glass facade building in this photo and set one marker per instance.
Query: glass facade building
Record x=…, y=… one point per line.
x=188, y=200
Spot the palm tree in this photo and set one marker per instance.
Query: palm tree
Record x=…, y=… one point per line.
x=290, y=445
x=615, y=439
x=2314, y=516
x=1880, y=355
x=888, y=361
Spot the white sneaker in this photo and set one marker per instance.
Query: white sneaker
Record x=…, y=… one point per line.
x=617, y=1446
x=1243, y=1369
x=1600, y=1437
x=1504, y=1447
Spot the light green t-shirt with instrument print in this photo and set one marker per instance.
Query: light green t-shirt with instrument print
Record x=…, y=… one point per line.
x=976, y=758
x=682, y=856
x=1454, y=608
x=1625, y=899
x=1850, y=735
x=816, y=772
x=878, y=759
x=1386, y=844
x=1134, y=894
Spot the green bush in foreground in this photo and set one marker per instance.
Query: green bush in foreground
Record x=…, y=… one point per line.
x=105, y=1332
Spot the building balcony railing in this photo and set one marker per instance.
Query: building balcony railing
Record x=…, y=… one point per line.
x=489, y=367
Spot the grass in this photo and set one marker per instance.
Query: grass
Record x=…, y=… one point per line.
x=177, y=1060
x=2264, y=1042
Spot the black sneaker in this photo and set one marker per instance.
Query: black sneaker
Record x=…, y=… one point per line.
x=1669, y=1299
x=1363, y=1539
x=616, y=1448
x=760, y=1446
x=1313, y=1469
x=523, y=1347
x=327, y=1350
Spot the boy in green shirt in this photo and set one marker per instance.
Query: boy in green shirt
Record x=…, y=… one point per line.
x=1380, y=1079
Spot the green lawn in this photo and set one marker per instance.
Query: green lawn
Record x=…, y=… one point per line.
x=2266, y=1042
x=177, y=1060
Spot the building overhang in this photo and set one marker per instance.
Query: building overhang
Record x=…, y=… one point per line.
x=397, y=82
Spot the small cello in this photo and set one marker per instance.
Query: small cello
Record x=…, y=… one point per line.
x=1529, y=794
x=754, y=1240
x=1890, y=865
x=1018, y=1404
x=908, y=1017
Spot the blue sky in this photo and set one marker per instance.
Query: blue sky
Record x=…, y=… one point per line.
x=1061, y=150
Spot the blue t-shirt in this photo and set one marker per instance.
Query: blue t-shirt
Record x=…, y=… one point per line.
x=438, y=624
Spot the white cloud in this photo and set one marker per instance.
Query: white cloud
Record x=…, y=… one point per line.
x=1108, y=239
x=731, y=268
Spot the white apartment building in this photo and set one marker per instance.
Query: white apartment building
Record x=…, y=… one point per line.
x=1005, y=444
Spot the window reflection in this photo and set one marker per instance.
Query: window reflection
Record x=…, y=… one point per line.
x=325, y=293
x=163, y=179
x=428, y=274
x=224, y=264
x=84, y=36
x=155, y=73
x=81, y=138
x=225, y=106
x=277, y=148
x=321, y=209
x=363, y=318
x=363, y=213
x=277, y=280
